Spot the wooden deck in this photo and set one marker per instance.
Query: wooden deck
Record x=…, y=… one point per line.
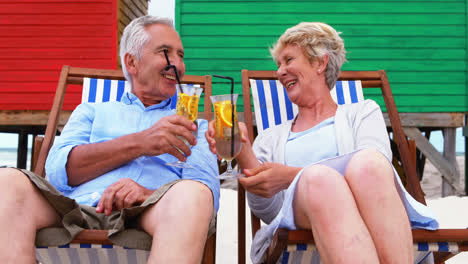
x=417, y=126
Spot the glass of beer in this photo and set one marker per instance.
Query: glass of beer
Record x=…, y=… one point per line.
x=187, y=106
x=227, y=133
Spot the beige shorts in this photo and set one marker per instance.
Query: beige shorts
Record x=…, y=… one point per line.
x=122, y=225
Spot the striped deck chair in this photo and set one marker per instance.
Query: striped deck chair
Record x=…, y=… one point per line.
x=272, y=107
x=106, y=90
x=92, y=246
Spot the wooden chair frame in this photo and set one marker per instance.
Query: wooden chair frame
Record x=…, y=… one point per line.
x=407, y=154
x=42, y=145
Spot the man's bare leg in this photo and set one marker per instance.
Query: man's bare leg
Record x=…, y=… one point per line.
x=23, y=210
x=179, y=223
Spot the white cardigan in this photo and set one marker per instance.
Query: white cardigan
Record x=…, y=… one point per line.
x=357, y=126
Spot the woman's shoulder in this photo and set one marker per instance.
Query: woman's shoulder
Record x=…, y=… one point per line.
x=367, y=104
x=276, y=130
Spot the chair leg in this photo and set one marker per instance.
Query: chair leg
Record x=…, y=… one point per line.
x=209, y=254
x=441, y=257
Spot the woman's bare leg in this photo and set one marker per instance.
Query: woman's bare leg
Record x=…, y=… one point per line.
x=371, y=180
x=324, y=203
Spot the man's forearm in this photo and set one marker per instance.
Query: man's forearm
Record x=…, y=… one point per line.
x=86, y=162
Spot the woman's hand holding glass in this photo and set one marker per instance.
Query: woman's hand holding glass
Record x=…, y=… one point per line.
x=210, y=137
x=227, y=134
x=268, y=178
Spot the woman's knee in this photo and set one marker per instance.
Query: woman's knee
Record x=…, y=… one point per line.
x=319, y=181
x=319, y=190
x=369, y=166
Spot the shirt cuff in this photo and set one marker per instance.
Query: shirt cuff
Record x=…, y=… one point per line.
x=56, y=172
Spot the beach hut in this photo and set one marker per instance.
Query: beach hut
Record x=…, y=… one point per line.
x=37, y=38
x=421, y=44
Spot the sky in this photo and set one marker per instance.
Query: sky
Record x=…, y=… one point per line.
x=163, y=8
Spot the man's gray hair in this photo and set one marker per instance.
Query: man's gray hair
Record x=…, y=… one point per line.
x=135, y=37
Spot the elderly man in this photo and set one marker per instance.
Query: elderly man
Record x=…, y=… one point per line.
x=107, y=170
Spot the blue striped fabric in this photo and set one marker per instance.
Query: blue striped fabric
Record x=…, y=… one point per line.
x=421, y=246
x=103, y=90
x=275, y=101
x=443, y=246
x=301, y=247
x=289, y=106
x=262, y=104
x=285, y=258
x=273, y=107
x=295, y=253
x=90, y=253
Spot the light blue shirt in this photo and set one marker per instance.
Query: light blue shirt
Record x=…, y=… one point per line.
x=314, y=144
x=99, y=122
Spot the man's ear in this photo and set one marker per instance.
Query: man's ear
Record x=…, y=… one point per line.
x=130, y=63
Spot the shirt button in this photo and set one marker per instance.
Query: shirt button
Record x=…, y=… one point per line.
x=94, y=195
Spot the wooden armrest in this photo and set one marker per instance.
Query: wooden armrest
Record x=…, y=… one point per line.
x=36, y=149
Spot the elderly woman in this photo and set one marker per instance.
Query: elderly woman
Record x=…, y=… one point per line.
x=358, y=210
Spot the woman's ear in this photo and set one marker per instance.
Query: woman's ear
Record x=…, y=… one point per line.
x=323, y=62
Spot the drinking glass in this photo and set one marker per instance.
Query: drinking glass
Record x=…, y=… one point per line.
x=187, y=106
x=227, y=133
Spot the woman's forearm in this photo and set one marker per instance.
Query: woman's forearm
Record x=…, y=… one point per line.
x=246, y=158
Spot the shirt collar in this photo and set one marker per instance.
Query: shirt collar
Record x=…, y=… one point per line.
x=129, y=98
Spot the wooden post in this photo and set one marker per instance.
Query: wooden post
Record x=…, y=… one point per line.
x=450, y=155
x=22, y=150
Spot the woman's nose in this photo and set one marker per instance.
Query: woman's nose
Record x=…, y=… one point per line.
x=280, y=71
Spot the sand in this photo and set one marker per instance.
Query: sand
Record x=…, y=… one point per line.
x=451, y=213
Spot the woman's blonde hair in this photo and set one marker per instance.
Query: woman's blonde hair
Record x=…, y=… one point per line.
x=316, y=39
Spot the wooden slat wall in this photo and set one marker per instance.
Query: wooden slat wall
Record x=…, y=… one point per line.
x=129, y=10
x=37, y=37
x=421, y=44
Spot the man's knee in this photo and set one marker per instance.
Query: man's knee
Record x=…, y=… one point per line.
x=14, y=182
x=186, y=194
x=188, y=200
